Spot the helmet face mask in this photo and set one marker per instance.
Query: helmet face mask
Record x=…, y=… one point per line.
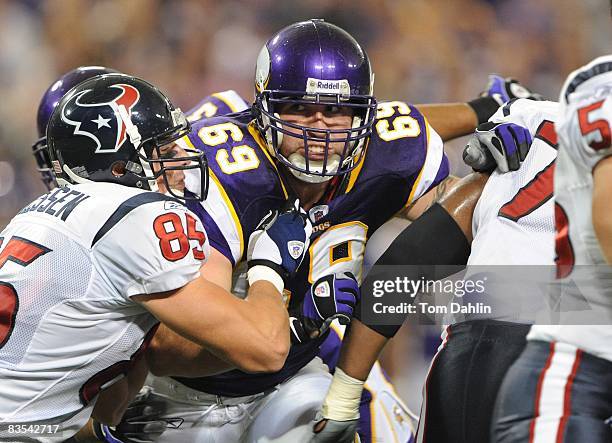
x=43, y=163
x=111, y=128
x=352, y=138
x=191, y=163
x=315, y=63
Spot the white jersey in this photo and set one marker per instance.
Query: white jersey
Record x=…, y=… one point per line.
x=513, y=220
x=69, y=264
x=513, y=223
x=581, y=147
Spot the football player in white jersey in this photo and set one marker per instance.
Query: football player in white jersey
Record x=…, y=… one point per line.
x=469, y=367
x=512, y=226
x=560, y=389
x=88, y=270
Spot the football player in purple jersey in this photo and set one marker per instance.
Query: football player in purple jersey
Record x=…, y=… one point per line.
x=315, y=131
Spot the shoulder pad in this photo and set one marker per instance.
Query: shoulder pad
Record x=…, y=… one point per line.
x=219, y=103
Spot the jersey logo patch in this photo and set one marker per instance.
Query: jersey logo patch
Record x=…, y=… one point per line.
x=322, y=290
x=295, y=248
x=112, y=131
x=318, y=212
x=172, y=205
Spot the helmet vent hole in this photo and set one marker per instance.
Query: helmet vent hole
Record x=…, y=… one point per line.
x=118, y=168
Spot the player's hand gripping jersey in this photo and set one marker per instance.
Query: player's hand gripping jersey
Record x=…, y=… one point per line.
x=69, y=264
x=404, y=159
x=519, y=203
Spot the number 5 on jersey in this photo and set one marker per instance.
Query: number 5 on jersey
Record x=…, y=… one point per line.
x=174, y=242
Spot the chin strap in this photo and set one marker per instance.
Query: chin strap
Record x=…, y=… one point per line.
x=74, y=177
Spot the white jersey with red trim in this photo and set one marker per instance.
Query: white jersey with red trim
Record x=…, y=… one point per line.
x=513, y=223
x=584, y=140
x=513, y=220
x=69, y=264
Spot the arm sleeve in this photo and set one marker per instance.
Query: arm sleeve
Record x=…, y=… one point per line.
x=144, y=253
x=435, y=167
x=219, y=217
x=430, y=248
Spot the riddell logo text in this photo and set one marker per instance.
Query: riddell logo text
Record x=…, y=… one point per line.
x=328, y=85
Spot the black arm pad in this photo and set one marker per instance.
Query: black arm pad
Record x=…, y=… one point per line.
x=484, y=107
x=433, y=239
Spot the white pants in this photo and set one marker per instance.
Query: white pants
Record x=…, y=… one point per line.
x=283, y=415
x=290, y=406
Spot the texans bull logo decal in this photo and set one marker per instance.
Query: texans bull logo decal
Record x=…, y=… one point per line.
x=116, y=127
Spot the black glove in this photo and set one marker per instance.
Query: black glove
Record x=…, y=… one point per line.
x=141, y=422
x=499, y=90
x=330, y=297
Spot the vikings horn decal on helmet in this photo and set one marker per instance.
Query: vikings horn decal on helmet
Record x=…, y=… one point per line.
x=315, y=63
x=48, y=102
x=111, y=128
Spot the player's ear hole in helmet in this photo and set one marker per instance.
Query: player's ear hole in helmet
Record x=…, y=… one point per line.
x=116, y=121
x=47, y=104
x=315, y=63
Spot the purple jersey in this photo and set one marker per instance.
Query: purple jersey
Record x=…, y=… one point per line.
x=404, y=159
x=219, y=103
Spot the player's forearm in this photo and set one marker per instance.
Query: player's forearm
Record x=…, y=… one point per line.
x=256, y=339
x=269, y=315
x=450, y=120
x=235, y=330
x=361, y=347
x=602, y=221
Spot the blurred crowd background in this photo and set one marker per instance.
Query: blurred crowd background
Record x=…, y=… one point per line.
x=422, y=51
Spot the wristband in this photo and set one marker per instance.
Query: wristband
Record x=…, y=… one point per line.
x=484, y=107
x=261, y=272
x=342, y=400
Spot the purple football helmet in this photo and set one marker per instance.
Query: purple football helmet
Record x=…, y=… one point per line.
x=314, y=62
x=48, y=102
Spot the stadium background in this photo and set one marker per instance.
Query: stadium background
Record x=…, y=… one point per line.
x=422, y=51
